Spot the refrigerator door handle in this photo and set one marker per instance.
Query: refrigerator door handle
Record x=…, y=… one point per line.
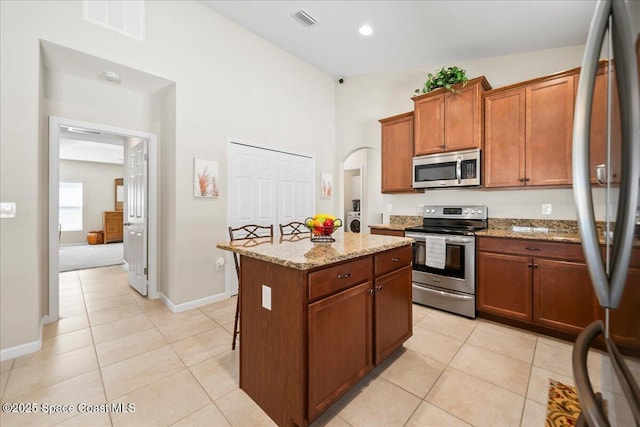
x=629, y=95
x=581, y=133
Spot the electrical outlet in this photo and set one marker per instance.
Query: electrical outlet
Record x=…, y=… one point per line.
x=420, y=209
x=220, y=264
x=7, y=210
x=266, y=297
x=546, y=209
x=389, y=208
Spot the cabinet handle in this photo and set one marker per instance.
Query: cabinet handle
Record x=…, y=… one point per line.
x=443, y=146
x=527, y=180
x=535, y=265
x=532, y=249
x=529, y=265
x=371, y=291
x=344, y=276
x=379, y=288
x=395, y=259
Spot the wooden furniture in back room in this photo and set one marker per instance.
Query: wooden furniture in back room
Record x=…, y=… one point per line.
x=112, y=226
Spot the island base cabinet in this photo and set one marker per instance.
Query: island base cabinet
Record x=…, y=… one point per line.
x=339, y=345
x=393, y=312
x=505, y=285
x=563, y=296
x=272, y=341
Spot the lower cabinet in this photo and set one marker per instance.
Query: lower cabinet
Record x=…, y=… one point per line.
x=386, y=231
x=357, y=328
x=524, y=280
x=340, y=344
x=392, y=313
x=563, y=297
x=625, y=320
x=504, y=285
x=547, y=284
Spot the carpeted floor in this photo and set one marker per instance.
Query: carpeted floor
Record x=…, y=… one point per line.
x=79, y=257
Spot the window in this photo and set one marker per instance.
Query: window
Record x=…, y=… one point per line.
x=70, y=206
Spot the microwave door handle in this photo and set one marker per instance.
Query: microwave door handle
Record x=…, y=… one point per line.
x=459, y=169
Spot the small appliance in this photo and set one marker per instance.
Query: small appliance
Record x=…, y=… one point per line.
x=353, y=222
x=455, y=169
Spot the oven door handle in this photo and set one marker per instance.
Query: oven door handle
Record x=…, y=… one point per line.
x=446, y=294
x=455, y=239
x=459, y=169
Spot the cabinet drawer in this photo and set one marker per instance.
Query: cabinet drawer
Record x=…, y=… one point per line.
x=330, y=280
x=387, y=232
x=393, y=260
x=534, y=248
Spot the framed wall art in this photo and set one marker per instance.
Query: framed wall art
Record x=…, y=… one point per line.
x=205, y=178
x=326, y=185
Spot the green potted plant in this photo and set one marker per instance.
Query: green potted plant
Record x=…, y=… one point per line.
x=446, y=77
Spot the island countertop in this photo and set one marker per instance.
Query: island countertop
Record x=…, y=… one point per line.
x=298, y=251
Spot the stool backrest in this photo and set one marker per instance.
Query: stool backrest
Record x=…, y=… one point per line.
x=248, y=232
x=294, y=227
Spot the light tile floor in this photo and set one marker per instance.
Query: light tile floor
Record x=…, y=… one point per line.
x=113, y=346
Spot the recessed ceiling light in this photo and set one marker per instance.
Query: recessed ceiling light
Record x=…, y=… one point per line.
x=365, y=30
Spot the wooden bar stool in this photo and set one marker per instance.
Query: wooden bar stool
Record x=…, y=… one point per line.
x=245, y=232
x=294, y=227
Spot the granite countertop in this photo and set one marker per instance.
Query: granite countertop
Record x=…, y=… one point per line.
x=399, y=222
x=389, y=226
x=298, y=251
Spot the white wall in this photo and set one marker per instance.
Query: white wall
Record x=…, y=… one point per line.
x=362, y=100
x=98, y=194
x=228, y=83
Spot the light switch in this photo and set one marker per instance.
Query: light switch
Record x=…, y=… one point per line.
x=389, y=208
x=7, y=210
x=266, y=297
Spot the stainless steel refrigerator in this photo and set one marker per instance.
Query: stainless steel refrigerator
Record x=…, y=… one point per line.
x=613, y=38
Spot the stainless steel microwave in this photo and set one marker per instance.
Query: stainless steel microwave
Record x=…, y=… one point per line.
x=454, y=169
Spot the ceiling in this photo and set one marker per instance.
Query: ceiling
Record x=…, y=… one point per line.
x=91, y=146
x=410, y=34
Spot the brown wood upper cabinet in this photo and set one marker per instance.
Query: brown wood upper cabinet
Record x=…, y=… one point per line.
x=449, y=121
x=397, y=153
x=598, y=134
x=528, y=133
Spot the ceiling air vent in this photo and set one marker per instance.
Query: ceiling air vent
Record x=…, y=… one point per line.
x=305, y=18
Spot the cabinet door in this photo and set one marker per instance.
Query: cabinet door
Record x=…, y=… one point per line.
x=504, y=159
x=339, y=345
x=393, y=313
x=599, y=131
x=564, y=298
x=549, y=131
x=429, y=125
x=397, y=154
x=462, y=118
x=504, y=285
x=625, y=320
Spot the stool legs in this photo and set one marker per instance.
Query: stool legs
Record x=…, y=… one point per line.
x=235, y=325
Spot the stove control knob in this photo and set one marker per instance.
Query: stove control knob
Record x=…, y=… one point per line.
x=433, y=211
x=467, y=211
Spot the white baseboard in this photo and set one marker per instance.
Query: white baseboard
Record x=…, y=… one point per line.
x=22, y=349
x=177, y=308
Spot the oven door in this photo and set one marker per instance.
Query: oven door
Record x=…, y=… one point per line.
x=458, y=273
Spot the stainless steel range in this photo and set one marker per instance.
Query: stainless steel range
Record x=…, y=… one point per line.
x=444, y=257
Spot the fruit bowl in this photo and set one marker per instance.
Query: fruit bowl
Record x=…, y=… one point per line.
x=322, y=227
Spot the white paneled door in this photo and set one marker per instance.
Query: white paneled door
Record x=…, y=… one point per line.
x=267, y=187
x=135, y=227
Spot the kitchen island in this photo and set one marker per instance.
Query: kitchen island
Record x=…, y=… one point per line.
x=315, y=318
